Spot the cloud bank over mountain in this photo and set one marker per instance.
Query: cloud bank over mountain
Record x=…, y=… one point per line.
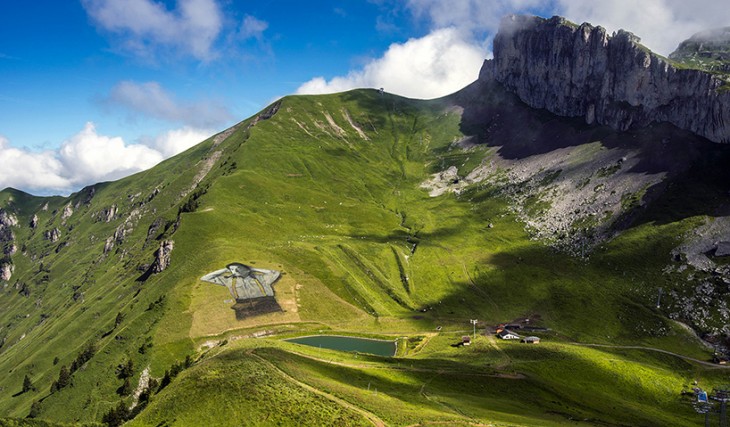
x=435, y=65
x=86, y=158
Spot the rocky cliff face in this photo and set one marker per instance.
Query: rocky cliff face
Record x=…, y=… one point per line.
x=163, y=256
x=7, y=245
x=582, y=71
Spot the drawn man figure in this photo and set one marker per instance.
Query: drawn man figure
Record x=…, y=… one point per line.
x=244, y=282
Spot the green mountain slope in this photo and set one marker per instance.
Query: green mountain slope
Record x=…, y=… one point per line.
x=334, y=192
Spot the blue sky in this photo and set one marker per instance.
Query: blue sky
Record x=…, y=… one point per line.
x=93, y=90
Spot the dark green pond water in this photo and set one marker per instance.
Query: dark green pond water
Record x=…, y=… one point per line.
x=361, y=345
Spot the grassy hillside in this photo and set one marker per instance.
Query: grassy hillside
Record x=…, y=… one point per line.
x=328, y=190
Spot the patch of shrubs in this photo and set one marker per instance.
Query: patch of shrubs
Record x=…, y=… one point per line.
x=64, y=375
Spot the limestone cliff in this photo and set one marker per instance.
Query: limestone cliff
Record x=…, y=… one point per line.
x=582, y=71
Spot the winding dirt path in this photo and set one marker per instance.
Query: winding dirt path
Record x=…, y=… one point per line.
x=658, y=350
x=368, y=415
x=438, y=371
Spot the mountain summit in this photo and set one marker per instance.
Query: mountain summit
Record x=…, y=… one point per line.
x=582, y=71
x=707, y=49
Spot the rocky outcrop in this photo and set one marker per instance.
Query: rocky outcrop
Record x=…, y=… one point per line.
x=444, y=181
x=7, y=245
x=163, y=256
x=7, y=219
x=108, y=245
x=122, y=231
x=6, y=232
x=582, y=71
x=34, y=221
x=107, y=214
x=722, y=249
x=67, y=212
x=266, y=114
x=52, y=235
x=6, y=270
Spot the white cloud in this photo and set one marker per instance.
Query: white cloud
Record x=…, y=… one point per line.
x=252, y=28
x=471, y=16
x=435, y=65
x=661, y=24
x=146, y=25
x=30, y=170
x=151, y=99
x=443, y=61
x=87, y=158
x=178, y=140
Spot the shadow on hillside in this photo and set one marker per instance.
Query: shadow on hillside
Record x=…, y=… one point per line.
x=255, y=307
x=429, y=382
x=424, y=377
x=403, y=236
x=614, y=291
x=696, y=171
x=494, y=117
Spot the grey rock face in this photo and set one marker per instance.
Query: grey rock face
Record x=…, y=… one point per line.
x=6, y=271
x=67, y=211
x=7, y=246
x=7, y=219
x=108, y=214
x=10, y=249
x=582, y=71
x=723, y=249
x=108, y=245
x=52, y=235
x=163, y=256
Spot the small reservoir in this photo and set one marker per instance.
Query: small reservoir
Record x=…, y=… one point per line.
x=361, y=345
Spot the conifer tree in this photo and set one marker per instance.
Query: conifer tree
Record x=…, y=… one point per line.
x=64, y=377
x=27, y=384
x=35, y=409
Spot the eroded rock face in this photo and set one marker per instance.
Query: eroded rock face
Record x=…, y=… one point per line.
x=6, y=270
x=52, y=235
x=67, y=211
x=582, y=71
x=108, y=214
x=163, y=256
x=122, y=231
x=6, y=233
x=7, y=245
x=7, y=219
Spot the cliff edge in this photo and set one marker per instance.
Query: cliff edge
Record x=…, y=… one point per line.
x=582, y=71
